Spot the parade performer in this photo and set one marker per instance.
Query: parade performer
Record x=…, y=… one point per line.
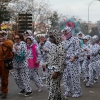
x=44, y=47
x=20, y=65
x=80, y=36
x=6, y=45
x=86, y=56
x=71, y=71
x=34, y=57
x=94, y=66
x=55, y=66
x=29, y=33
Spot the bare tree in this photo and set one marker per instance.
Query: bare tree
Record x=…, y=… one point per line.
x=40, y=10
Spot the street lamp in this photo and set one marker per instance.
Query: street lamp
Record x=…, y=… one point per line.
x=88, y=12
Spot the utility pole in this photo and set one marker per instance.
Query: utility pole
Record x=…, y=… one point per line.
x=88, y=12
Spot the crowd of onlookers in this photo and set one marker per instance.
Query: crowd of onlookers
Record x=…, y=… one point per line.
x=65, y=57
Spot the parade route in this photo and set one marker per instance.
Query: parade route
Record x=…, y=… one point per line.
x=88, y=93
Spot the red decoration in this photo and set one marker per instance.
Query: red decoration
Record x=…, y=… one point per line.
x=70, y=24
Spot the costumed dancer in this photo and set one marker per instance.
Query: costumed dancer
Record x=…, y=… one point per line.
x=34, y=57
x=55, y=66
x=6, y=45
x=29, y=33
x=71, y=71
x=94, y=68
x=20, y=65
x=44, y=47
x=86, y=57
x=80, y=36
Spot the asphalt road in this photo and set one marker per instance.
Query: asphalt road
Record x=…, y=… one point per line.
x=88, y=93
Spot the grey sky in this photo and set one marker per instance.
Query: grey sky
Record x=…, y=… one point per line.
x=78, y=8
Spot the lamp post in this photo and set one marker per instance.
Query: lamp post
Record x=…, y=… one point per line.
x=88, y=12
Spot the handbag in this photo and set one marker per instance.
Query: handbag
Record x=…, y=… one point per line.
x=8, y=62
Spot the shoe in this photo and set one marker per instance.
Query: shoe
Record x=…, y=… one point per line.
x=44, y=77
x=85, y=80
x=40, y=89
x=28, y=94
x=65, y=98
x=67, y=94
x=89, y=85
x=76, y=95
x=22, y=92
x=96, y=80
x=4, y=96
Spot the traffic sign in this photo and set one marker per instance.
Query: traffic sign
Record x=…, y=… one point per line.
x=24, y=22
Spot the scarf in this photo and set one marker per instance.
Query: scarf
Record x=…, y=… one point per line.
x=69, y=35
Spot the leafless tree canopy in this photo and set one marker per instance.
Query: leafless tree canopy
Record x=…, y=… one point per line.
x=40, y=10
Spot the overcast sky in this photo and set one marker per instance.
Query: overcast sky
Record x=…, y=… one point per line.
x=78, y=8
